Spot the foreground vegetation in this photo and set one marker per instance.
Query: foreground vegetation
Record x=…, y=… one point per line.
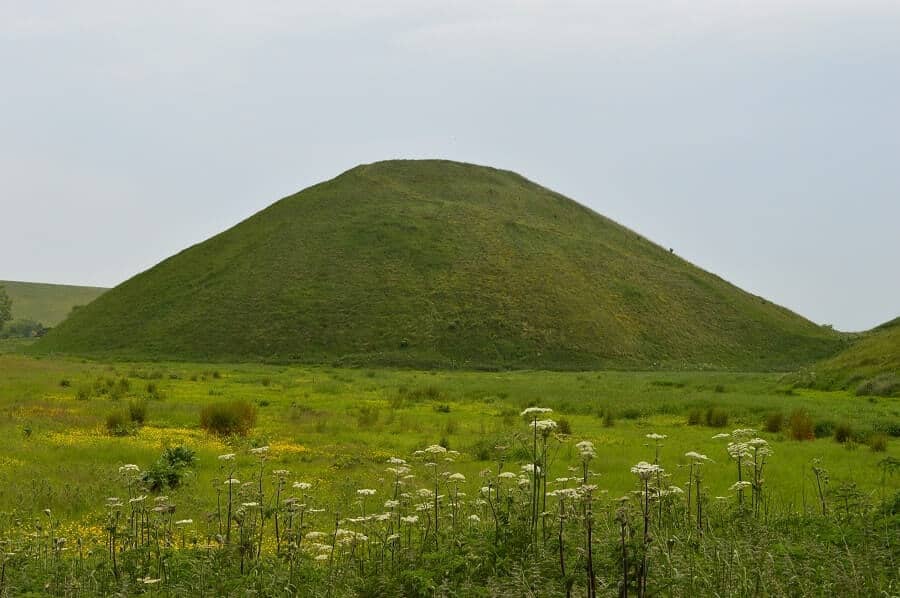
x=318, y=512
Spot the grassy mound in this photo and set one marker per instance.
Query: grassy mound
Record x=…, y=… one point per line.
x=438, y=264
x=869, y=367
x=48, y=304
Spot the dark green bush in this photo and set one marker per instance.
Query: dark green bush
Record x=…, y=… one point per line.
x=564, y=426
x=631, y=413
x=695, y=417
x=843, y=432
x=878, y=442
x=137, y=411
x=169, y=469
x=367, y=416
x=823, y=429
x=716, y=417
x=885, y=385
x=609, y=419
x=224, y=419
x=117, y=423
x=774, y=422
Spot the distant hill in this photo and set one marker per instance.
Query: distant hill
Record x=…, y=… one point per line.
x=870, y=366
x=48, y=304
x=438, y=264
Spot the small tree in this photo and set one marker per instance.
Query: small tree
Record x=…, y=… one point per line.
x=5, y=307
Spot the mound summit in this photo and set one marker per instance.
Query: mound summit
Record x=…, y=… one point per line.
x=431, y=263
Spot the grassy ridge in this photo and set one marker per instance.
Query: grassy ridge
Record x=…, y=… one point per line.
x=48, y=304
x=870, y=366
x=438, y=264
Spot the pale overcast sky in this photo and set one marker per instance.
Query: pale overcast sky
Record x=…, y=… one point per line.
x=759, y=139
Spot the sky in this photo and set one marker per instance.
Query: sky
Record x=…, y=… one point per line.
x=758, y=139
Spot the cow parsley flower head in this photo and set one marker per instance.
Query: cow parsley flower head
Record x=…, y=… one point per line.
x=260, y=450
x=655, y=436
x=457, y=477
x=646, y=470
x=695, y=456
x=435, y=449
x=366, y=492
x=302, y=485
x=586, y=450
x=535, y=411
x=226, y=457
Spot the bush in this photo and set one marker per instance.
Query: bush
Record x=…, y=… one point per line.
x=823, y=429
x=169, y=469
x=695, y=416
x=367, y=416
x=774, y=422
x=631, y=413
x=224, y=419
x=564, y=426
x=801, y=425
x=843, y=432
x=83, y=393
x=878, y=442
x=716, y=417
x=117, y=423
x=442, y=408
x=885, y=385
x=153, y=391
x=137, y=411
x=609, y=419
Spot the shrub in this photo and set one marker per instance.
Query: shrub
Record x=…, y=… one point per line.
x=843, y=432
x=878, y=442
x=631, y=413
x=137, y=411
x=83, y=393
x=117, y=423
x=169, y=469
x=609, y=419
x=367, y=416
x=774, y=422
x=885, y=385
x=223, y=419
x=716, y=417
x=564, y=427
x=801, y=425
x=695, y=416
x=65, y=383
x=442, y=408
x=153, y=391
x=823, y=429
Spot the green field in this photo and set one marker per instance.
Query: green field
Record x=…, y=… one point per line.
x=48, y=304
x=336, y=428
x=441, y=264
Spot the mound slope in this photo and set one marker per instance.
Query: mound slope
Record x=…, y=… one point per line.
x=437, y=264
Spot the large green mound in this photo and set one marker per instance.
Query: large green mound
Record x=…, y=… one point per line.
x=438, y=264
x=48, y=304
x=870, y=366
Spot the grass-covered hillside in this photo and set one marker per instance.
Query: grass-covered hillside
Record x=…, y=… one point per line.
x=438, y=264
x=871, y=366
x=48, y=304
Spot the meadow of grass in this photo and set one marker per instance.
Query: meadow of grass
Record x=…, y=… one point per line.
x=336, y=429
